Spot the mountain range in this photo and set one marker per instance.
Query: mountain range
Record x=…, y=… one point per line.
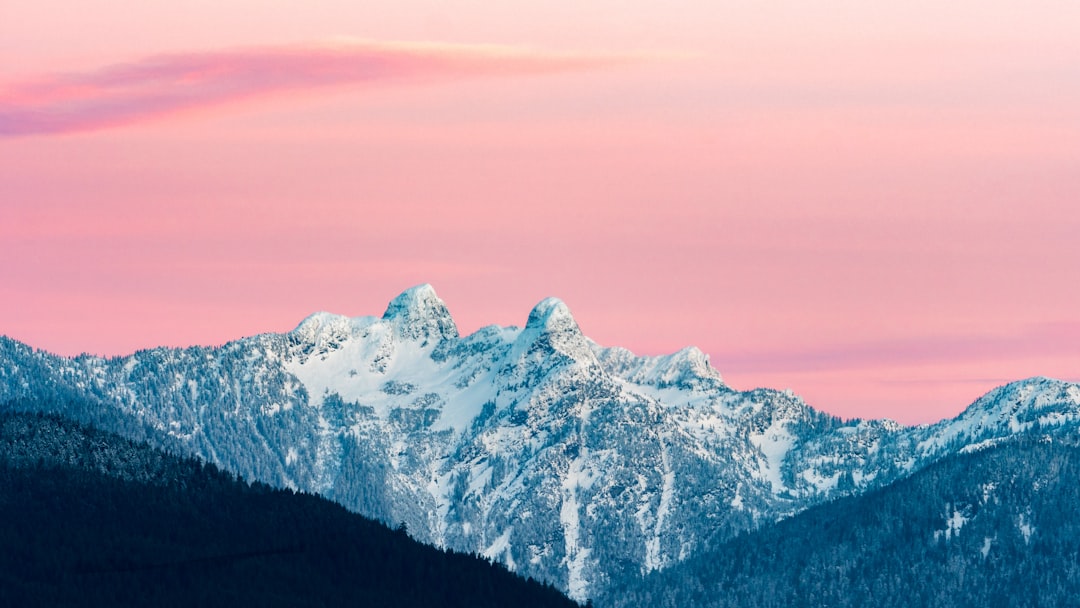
x=573, y=463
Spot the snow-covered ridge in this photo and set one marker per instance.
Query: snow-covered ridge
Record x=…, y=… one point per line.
x=532, y=444
x=688, y=368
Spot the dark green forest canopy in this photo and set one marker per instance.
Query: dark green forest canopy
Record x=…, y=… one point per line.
x=91, y=519
x=996, y=527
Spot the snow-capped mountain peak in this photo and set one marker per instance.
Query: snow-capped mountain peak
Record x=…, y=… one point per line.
x=419, y=314
x=551, y=315
x=570, y=462
x=552, y=330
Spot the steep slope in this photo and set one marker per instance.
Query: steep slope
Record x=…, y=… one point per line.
x=569, y=462
x=995, y=527
x=90, y=519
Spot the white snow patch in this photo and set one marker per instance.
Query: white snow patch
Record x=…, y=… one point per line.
x=1026, y=529
x=820, y=482
x=479, y=478
x=291, y=456
x=501, y=548
x=861, y=477
x=439, y=488
x=653, y=559
x=737, y=502
x=538, y=553
x=774, y=445
x=986, y=546
x=953, y=523
x=982, y=445
x=1055, y=419
x=368, y=355
x=570, y=516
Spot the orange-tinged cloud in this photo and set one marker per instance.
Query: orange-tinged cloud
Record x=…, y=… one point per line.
x=158, y=86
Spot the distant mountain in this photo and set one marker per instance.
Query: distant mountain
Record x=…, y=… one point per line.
x=573, y=463
x=995, y=527
x=90, y=519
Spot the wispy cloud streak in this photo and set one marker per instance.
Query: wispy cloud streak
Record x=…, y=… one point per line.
x=159, y=86
x=1046, y=340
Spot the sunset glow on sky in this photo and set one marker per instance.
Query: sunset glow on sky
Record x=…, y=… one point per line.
x=874, y=204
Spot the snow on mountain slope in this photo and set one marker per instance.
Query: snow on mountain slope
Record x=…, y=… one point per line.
x=568, y=461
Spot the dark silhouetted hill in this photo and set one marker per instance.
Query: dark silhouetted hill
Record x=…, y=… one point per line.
x=91, y=519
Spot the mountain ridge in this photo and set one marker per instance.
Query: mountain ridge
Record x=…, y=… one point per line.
x=568, y=461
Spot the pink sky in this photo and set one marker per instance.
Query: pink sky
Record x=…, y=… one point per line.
x=873, y=204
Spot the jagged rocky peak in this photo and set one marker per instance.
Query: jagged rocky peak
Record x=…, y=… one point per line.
x=324, y=325
x=690, y=362
x=419, y=314
x=551, y=315
x=551, y=323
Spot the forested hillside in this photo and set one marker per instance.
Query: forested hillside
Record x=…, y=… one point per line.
x=996, y=527
x=90, y=519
